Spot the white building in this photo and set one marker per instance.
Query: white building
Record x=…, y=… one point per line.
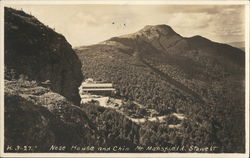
x=91, y=90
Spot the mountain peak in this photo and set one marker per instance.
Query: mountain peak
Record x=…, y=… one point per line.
x=160, y=29
x=160, y=26
x=153, y=32
x=160, y=37
x=198, y=37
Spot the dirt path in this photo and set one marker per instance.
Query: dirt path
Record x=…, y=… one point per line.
x=115, y=104
x=103, y=103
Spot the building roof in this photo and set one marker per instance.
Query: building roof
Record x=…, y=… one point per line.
x=103, y=85
x=99, y=89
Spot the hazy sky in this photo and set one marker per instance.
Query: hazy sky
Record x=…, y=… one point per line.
x=89, y=24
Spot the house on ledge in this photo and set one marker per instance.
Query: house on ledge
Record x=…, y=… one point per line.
x=91, y=87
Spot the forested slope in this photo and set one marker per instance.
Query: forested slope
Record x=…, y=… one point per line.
x=167, y=72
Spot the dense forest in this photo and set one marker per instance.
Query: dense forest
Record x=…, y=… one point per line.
x=202, y=79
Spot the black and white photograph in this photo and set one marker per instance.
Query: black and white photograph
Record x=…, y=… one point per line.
x=120, y=78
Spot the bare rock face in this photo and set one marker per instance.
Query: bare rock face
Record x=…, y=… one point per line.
x=42, y=75
x=38, y=117
x=36, y=52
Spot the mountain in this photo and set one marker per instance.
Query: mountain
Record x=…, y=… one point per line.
x=163, y=40
x=240, y=45
x=162, y=70
x=36, y=52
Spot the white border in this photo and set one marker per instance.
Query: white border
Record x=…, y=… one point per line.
x=128, y=2
x=122, y=2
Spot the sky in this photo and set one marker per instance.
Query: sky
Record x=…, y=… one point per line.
x=88, y=24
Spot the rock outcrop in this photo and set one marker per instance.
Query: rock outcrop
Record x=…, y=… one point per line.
x=40, y=118
x=36, y=52
x=42, y=76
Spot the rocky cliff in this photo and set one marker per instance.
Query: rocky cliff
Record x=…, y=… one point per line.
x=35, y=116
x=42, y=75
x=36, y=52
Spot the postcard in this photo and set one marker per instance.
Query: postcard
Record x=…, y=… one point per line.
x=124, y=78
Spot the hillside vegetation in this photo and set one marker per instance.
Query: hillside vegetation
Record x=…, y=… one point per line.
x=169, y=73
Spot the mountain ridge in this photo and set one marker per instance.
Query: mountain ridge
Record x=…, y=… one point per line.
x=166, y=41
x=169, y=73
